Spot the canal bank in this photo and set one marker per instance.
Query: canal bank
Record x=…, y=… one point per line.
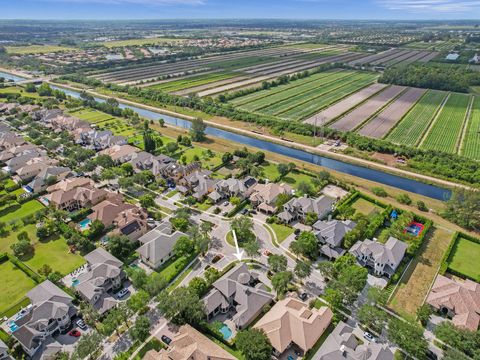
x=341, y=163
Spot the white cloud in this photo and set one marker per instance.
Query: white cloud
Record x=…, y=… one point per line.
x=142, y=2
x=443, y=6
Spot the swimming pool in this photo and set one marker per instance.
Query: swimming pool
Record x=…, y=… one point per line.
x=226, y=332
x=75, y=282
x=12, y=326
x=84, y=224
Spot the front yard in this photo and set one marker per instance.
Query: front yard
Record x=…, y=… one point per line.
x=282, y=231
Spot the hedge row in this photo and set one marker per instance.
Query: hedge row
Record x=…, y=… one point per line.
x=3, y=258
x=26, y=269
x=444, y=266
x=237, y=208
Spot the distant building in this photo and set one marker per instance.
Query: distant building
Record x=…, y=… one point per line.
x=452, y=57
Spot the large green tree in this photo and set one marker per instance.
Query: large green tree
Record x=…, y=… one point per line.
x=182, y=306
x=408, y=336
x=306, y=245
x=254, y=344
x=197, y=130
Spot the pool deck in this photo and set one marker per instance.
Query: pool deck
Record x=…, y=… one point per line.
x=68, y=279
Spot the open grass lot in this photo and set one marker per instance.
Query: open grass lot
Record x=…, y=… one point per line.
x=140, y=42
x=416, y=282
x=365, y=207
x=15, y=284
x=91, y=116
x=294, y=178
x=471, y=143
x=54, y=252
x=411, y=128
x=117, y=127
x=17, y=90
x=18, y=212
x=208, y=162
x=36, y=49
x=10, y=237
x=270, y=171
x=281, y=231
x=445, y=133
x=464, y=258
x=192, y=81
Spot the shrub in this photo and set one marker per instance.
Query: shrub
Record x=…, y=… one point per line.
x=379, y=191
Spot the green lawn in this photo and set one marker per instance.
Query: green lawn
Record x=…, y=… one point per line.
x=282, y=231
x=207, y=162
x=54, y=252
x=365, y=207
x=91, y=116
x=11, y=236
x=17, y=213
x=270, y=171
x=464, y=258
x=294, y=178
x=15, y=284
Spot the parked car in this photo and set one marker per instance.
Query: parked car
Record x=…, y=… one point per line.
x=226, y=203
x=81, y=324
x=303, y=296
x=431, y=355
x=166, y=339
x=122, y=293
x=297, y=231
x=74, y=333
x=368, y=336
x=266, y=253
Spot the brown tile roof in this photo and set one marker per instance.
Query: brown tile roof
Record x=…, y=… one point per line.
x=109, y=209
x=290, y=320
x=190, y=344
x=460, y=297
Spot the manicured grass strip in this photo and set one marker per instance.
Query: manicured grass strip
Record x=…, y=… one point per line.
x=464, y=258
x=17, y=212
x=312, y=96
x=471, y=143
x=313, y=106
x=15, y=284
x=276, y=90
x=444, y=134
x=412, y=127
x=191, y=82
x=281, y=231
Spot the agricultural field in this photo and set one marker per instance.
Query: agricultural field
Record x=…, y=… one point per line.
x=464, y=258
x=444, y=134
x=296, y=102
x=182, y=84
x=36, y=49
x=381, y=124
x=471, y=142
x=362, y=113
x=346, y=104
x=412, y=127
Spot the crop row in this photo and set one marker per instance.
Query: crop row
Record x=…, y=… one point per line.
x=313, y=106
x=445, y=132
x=295, y=84
x=293, y=92
x=412, y=127
x=191, y=82
x=299, y=99
x=471, y=144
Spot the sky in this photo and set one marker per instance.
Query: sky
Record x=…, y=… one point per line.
x=211, y=9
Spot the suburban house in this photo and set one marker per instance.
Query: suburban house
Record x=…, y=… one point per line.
x=225, y=189
x=330, y=235
x=143, y=160
x=382, y=258
x=70, y=184
x=51, y=311
x=298, y=208
x=3, y=351
x=157, y=245
x=264, y=196
x=190, y=344
x=342, y=344
x=33, y=167
x=8, y=154
x=239, y=293
x=291, y=322
x=198, y=184
x=9, y=140
x=77, y=198
x=108, y=210
x=99, y=140
x=104, y=275
x=131, y=223
x=120, y=153
x=25, y=158
x=458, y=300
x=41, y=181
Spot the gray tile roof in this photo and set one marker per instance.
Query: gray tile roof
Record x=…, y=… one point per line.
x=332, y=232
x=341, y=344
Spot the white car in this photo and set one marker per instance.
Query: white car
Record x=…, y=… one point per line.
x=122, y=293
x=368, y=336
